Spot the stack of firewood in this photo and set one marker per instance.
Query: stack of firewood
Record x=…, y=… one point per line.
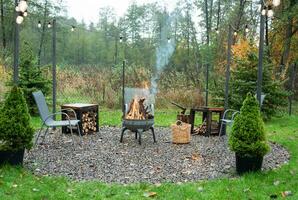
x=202, y=129
x=137, y=110
x=89, y=122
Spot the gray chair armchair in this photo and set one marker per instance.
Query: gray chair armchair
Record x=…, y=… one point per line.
x=47, y=117
x=228, y=118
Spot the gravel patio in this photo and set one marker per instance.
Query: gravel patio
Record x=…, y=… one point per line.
x=105, y=159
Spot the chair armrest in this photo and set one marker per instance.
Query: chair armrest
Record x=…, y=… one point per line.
x=57, y=113
x=71, y=110
x=235, y=113
x=227, y=111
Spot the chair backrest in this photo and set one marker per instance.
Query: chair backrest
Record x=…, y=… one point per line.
x=262, y=98
x=41, y=105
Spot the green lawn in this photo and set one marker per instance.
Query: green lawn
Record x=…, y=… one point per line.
x=16, y=183
x=163, y=118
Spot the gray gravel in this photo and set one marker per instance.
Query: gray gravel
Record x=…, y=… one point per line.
x=102, y=157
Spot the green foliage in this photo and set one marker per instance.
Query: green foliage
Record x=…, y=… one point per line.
x=244, y=80
x=16, y=132
x=31, y=77
x=248, y=134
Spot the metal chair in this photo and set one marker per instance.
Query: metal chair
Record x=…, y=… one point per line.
x=47, y=117
x=227, y=121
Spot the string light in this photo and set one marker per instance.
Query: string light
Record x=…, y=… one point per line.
x=23, y=5
x=21, y=10
x=246, y=29
x=73, y=28
x=235, y=33
x=49, y=25
x=169, y=40
x=121, y=39
x=216, y=31
x=19, y=19
x=39, y=24
x=276, y=3
x=270, y=12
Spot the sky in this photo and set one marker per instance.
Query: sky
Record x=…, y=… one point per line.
x=88, y=10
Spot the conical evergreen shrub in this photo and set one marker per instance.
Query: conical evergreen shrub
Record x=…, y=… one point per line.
x=16, y=132
x=248, y=136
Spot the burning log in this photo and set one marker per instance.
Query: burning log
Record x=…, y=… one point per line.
x=137, y=110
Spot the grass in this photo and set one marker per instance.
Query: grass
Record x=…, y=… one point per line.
x=17, y=183
x=163, y=118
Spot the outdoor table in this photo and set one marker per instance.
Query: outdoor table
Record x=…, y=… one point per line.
x=86, y=113
x=207, y=116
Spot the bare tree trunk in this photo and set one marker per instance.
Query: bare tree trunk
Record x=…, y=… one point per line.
x=210, y=15
x=239, y=16
x=44, y=24
x=286, y=46
x=218, y=14
x=3, y=25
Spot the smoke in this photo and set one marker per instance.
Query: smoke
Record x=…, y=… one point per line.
x=164, y=52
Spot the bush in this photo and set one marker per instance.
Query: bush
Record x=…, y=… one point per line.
x=16, y=132
x=248, y=134
x=31, y=77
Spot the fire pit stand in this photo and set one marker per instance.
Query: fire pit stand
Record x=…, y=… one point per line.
x=138, y=127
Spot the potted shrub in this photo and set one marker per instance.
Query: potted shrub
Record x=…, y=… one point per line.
x=248, y=139
x=16, y=133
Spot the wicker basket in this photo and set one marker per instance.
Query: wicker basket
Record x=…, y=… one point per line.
x=180, y=132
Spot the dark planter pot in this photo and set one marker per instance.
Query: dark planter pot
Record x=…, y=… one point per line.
x=12, y=158
x=248, y=164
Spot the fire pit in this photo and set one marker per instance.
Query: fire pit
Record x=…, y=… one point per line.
x=138, y=116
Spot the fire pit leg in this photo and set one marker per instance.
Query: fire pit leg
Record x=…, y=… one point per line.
x=152, y=130
x=122, y=133
x=136, y=135
x=140, y=136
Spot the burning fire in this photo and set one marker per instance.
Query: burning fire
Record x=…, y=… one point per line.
x=137, y=110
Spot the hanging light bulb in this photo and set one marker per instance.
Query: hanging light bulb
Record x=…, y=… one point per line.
x=121, y=39
x=39, y=24
x=264, y=11
x=235, y=33
x=276, y=3
x=17, y=9
x=23, y=5
x=19, y=19
x=49, y=25
x=169, y=40
x=246, y=29
x=270, y=13
x=73, y=28
x=216, y=31
x=25, y=13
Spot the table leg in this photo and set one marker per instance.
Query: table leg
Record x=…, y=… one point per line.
x=219, y=123
x=209, y=123
x=192, y=119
